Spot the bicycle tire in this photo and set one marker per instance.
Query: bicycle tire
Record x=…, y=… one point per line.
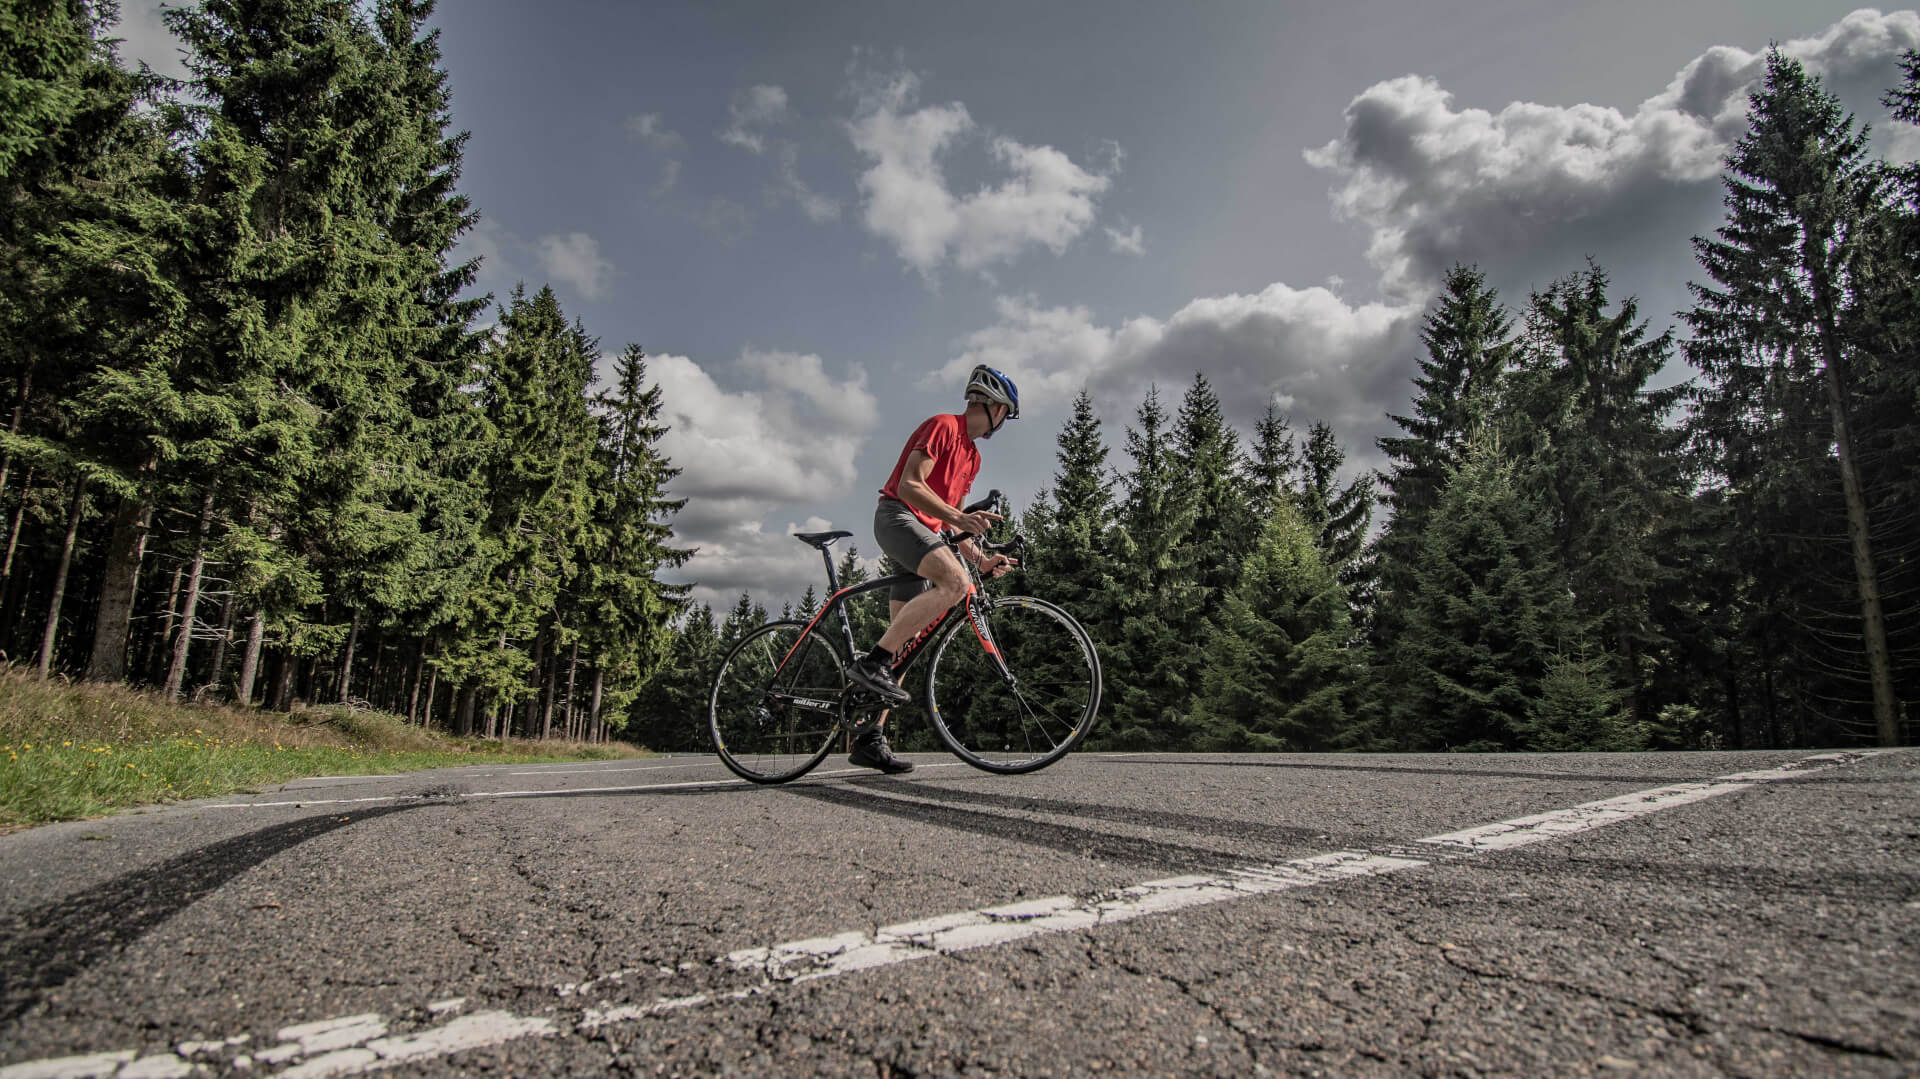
x=1043, y=715
x=775, y=706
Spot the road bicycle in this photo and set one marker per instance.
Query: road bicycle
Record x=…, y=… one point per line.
x=1015, y=695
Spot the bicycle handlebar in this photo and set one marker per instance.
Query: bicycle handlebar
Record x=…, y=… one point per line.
x=993, y=499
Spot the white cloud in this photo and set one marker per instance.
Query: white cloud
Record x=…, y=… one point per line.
x=1434, y=184
x=649, y=128
x=669, y=176
x=575, y=259
x=785, y=441
x=1131, y=242
x=1307, y=351
x=146, y=38
x=1046, y=201
x=818, y=208
x=755, y=107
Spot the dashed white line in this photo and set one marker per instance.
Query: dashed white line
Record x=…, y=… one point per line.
x=333, y=1047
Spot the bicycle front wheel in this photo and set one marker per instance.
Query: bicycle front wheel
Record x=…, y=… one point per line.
x=1027, y=721
x=775, y=706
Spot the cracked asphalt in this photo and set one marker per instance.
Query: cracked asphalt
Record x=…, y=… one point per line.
x=1768, y=931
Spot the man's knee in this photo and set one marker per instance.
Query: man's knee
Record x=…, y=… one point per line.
x=943, y=569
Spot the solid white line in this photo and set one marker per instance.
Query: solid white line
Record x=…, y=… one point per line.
x=623, y=768
x=336, y=1040
x=717, y=782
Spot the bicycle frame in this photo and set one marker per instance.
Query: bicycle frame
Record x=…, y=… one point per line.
x=837, y=602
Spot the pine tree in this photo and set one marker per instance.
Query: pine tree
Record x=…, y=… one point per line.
x=1158, y=592
x=1269, y=475
x=627, y=611
x=1207, y=460
x=1486, y=610
x=1469, y=343
x=1781, y=378
x=1070, y=559
x=1610, y=464
x=1279, y=675
x=1340, y=515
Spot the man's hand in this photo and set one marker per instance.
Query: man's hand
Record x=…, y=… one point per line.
x=996, y=565
x=976, y=524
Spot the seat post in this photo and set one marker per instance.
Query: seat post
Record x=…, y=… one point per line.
x=833, y=581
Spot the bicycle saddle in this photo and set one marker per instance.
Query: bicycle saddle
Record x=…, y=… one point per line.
x=822, y=540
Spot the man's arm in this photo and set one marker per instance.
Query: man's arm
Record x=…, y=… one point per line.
x=915, y=492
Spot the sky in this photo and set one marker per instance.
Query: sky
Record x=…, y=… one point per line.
x=816, y=218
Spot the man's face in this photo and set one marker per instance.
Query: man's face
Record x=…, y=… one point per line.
x=996, y=415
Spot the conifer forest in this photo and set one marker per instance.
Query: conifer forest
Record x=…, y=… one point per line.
x=260, y=442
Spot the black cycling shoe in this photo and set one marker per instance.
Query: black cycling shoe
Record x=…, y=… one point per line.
x=870, y=750
x=874, y=677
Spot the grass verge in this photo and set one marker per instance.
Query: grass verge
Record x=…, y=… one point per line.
x=70, y=751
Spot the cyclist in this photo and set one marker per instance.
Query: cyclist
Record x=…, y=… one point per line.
x=922, y=498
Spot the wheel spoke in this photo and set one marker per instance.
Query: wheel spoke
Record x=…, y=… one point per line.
x=1027, y=724
x=758, y=730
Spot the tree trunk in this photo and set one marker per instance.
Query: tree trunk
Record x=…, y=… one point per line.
x=463, y=713
x=19, y=518
x=283, y=681
x=221, y=643
x=250, y=660
x=573, y=679
x=1866, y=576
x=19, y=409
x=158, y=650
x=126, y=551
x=183, y=637
x=553, y=686
x=593, y=716
x=419, y=672
x=60, y=575
x=346, y=662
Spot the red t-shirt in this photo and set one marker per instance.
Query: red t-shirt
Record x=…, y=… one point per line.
x=955, y=462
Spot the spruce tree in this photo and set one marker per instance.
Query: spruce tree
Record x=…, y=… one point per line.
x=1279, y=675
x=626, y=610
x=1610, y=464
x=1469, y=344
x=1486, y=610
x=1779, y=405
x=1159, y=595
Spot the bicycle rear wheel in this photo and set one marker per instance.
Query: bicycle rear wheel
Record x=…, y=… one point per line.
x=775, y=705
x=1027, y=723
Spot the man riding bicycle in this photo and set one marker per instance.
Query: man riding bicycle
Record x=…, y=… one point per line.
x=921, y=499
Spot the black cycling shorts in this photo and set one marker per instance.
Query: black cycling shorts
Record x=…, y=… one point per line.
x=906, y=541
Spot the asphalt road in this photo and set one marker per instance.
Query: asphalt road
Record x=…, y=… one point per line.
x=1704, y=914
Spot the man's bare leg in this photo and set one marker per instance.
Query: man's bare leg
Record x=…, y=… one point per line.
x=949, y=577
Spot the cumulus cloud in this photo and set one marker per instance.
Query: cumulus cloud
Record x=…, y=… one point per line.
x=1306, y=351
x=786, y=438
x=1045, y=201
x=1434, y=184
x=574, y=258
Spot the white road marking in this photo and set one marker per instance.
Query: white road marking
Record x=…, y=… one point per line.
x=722, y=782
x=337, y=1041
x=598, y=766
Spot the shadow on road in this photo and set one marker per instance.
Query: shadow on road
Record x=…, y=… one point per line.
x=47, y=946
x=1191, y=823
x=1084, y=842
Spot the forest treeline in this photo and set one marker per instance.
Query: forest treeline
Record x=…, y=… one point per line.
x=263, y=444
x=260, y=444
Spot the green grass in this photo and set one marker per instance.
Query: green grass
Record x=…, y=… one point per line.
x=71, y=751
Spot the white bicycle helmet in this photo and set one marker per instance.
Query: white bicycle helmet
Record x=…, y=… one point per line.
x=987, y=384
